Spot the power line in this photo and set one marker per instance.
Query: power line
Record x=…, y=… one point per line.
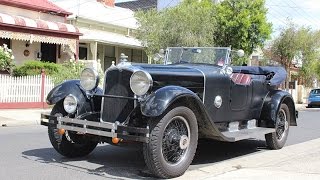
x=296, y=8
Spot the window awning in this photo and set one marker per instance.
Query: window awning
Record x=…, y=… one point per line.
x=36, y=30
x=109, y=38
x=38, y=24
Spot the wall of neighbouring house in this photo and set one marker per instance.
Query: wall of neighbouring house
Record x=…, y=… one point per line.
x=18, y=48
x=30, y=14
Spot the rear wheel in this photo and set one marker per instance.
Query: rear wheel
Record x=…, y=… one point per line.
x=278, y=139
x=69, y=144
x=173, y=143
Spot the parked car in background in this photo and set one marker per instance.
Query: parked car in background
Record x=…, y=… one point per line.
x=314, y=98
x=194, y=94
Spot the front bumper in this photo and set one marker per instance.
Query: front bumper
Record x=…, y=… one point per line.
x=105, y=129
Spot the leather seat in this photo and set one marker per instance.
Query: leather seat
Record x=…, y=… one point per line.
x=241, y=79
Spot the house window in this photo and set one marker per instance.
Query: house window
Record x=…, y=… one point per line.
x=5, y=41
x=83, y=53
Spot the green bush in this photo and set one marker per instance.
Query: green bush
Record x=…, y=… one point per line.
x=35, y=67
x=69, y=70
x=59, y=72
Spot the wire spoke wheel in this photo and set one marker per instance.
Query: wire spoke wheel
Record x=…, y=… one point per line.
x=173, y=143
x=281, y=125
x=277, y=139
x=175, y=140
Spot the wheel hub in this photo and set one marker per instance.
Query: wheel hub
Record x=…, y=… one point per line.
x=184, y=142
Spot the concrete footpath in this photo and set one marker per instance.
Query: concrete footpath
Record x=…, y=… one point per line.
x=300, y=161
x=20, y=117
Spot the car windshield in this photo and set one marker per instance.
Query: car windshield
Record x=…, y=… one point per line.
x=315, y=91
x=208, y=55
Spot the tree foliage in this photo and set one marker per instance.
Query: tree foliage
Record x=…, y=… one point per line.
x=178, y=26
x=242, y=24
x=189, y=24
x=296, y=42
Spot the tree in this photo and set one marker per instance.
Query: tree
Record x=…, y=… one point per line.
x=296, y=42
x=189, y=24
x=242, y=24
x=309, y=48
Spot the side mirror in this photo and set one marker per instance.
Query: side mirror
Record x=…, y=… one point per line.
x=240, y=53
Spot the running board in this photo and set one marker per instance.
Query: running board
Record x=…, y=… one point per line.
x=247, y=133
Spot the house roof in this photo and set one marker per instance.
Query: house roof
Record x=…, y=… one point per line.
x=138, y=4
x=92, y=10
x=36, y=5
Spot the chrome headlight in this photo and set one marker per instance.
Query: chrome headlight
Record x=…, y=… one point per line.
x=89, y=79
x=140, y=82
x=70, y=104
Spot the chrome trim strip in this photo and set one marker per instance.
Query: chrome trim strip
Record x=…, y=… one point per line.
x=204, y=83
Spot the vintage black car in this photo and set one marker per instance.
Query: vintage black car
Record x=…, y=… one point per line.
x=195, y=94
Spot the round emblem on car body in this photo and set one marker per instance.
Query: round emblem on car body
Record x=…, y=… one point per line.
x=217, y=101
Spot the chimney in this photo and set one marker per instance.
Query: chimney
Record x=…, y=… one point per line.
x=109, y=3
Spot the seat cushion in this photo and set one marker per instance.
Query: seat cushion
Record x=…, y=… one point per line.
x=241, y=79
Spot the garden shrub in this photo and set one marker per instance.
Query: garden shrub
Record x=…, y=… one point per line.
x=35, y=67
x=6, y=59
x=59, y=72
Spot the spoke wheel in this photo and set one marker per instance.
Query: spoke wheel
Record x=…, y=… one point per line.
x=277, y=139
x=176, y=140
x=173, y=143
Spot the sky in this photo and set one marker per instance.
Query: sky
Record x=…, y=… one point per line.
x=301, y=12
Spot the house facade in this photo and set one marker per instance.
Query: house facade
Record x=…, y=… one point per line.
x=107, y=31
x=37, y=30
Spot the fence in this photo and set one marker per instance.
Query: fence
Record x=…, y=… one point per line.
x=25, y=91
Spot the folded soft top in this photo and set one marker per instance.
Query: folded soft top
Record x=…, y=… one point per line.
x=279, y=76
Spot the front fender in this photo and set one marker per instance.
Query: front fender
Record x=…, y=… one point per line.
x=156, y=103
x=62, y=90
x=73, y=87
x=272, y=105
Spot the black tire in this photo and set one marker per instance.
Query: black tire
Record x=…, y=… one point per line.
x=178, y=130
x=278, y=139
x=79, y=145
x=309, y=106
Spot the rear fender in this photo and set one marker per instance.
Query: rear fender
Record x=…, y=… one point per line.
x=272, y=105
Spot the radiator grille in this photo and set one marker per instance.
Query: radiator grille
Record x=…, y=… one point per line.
x=117, y=83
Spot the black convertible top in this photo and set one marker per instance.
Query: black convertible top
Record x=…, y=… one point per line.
x=277, y=74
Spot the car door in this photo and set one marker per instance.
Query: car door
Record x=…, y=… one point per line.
x=240, y=96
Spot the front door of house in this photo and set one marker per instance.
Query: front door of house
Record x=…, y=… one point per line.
x=48, y=52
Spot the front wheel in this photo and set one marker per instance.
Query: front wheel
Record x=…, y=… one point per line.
x=173, y=143
x=278, y=139
x=70, y=144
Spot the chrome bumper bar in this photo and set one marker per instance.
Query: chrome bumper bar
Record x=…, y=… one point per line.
x=105, y=129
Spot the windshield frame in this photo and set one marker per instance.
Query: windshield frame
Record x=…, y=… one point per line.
x=227, y=60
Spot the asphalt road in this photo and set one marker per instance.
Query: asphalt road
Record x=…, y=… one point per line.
x=26, y=153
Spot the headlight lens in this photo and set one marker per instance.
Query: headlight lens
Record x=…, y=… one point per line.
x=89, y=79
x=70, y=104
x=140, y=82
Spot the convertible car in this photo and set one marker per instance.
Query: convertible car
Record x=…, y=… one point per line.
x=167, y=107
